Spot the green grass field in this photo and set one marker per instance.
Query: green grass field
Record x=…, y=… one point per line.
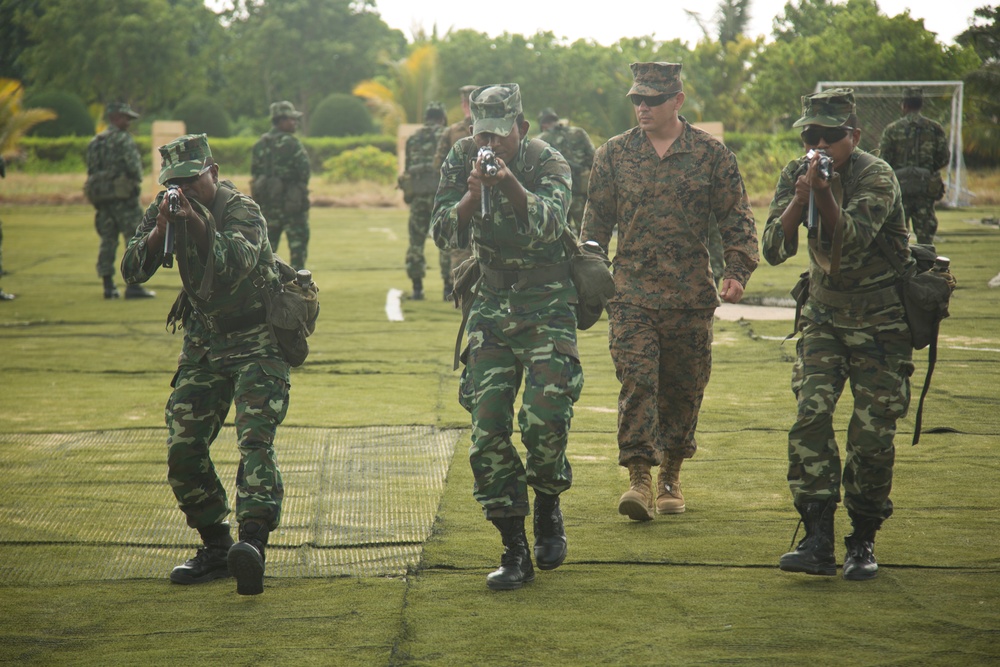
x=85, y=380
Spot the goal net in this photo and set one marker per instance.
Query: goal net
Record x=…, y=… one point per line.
x=878, y=105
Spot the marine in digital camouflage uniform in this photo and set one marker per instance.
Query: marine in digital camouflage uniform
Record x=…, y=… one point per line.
x=852, y=331
x=228, y=359
x=281, y=159
x=113, y=153
x=521, y=328
x=575, y=145
x=457, y=130
x=661, y=184
x=419, y=168
x=917, y=141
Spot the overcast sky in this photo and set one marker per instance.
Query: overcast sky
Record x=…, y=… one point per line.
x=598, y=20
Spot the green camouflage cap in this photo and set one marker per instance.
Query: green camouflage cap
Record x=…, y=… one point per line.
x=656, y=79
x=119, y=107
x=831, y=108
x=912, y=92
x=547, y=114
x=184, y=157
x=495, y=108
x=284, y=109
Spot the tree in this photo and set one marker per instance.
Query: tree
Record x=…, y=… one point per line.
x=15, y=121
x=401, y=96
x=981, y=136
x=146, y=52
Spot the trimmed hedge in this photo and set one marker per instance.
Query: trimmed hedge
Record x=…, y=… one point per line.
x=67, y=154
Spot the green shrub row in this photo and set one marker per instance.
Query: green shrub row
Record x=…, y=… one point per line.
x=67, y=154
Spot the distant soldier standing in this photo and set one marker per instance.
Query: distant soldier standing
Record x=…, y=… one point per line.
x=114, y=181
x=455, y=131
x=917, y=149
x=575, y=145
x=280, y=183
x=419, y=183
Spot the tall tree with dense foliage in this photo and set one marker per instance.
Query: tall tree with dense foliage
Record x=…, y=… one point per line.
x=15, y=120
x=981, y=134
x=147, y=52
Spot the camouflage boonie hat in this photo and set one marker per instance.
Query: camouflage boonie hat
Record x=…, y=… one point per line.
x=831, y=108
x=656, y=79
x=435, y=110
x=495, y=108
x=119, y=107
x=284, y=109
x=184, y=157
x=912, y=92
x=547, y=114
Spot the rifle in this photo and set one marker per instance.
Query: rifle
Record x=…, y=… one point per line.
x=488, y=163
x=174, y=209
x=825, y=169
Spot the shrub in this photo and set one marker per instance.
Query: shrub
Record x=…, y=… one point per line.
x=366, y=163
x=340, y=115
x=74, y=120
x=202, y=114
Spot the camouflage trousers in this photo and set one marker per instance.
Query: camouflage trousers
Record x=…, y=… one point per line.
x=420, y=223
x=921, y=218
x=296, y=227
x=1, y=247
x=538, y=348
x=197, y=408
x=574, y=216
x=877, y=363
x=663, y=358
x=114, y=220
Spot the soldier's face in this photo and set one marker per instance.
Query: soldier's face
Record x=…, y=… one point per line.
x=826, y=139
x=657, y=116
x=201, y=188
x=507, y=147
x=288, y=124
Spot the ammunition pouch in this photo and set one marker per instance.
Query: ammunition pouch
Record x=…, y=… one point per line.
x=919, y=182
x=292, y=311
x=105, y=186
x=517, y=279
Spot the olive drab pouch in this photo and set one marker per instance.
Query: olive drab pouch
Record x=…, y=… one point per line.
x=104, y=186
x=267, y=190
x=595, y=284
x=296, y=198
x=465, y=281
x=292, y=310
x=914, y=181
x=926, y=293
x=424, y=179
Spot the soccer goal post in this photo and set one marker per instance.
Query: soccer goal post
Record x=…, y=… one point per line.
x=879, y=104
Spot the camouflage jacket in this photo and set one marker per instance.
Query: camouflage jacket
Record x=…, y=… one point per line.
x=280, y=154
x=509, y=242
x=870, y=204
x=575, y=145
x=663, y=208
x=915, y=141
x=239, y=253
x=421, y=147
x=452, y=133
x=114, y=151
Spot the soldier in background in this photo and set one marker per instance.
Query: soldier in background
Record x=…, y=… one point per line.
x=114, y=182
x=455, y=131
x=575, y=145
x=419, y=182
x=280, y=182
x=917, y=149
x=661, y=183
x=229, y=360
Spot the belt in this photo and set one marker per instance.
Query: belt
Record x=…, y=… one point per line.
x=228, y=325
x=885, y=296
x=516, y=279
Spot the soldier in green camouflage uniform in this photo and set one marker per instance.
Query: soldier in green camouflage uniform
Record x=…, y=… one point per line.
x=279, y=169
x=852, y=331
x=521, y=328
x=421, y=177
x=113, y=158
x=662, y=183
x=228, y=358
x=457, y=130
x=916, y=147
x=575, y=145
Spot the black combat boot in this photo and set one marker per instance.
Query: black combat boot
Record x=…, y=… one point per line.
x=138, y=292
x=515, y=564
x=860, y=563
x=418, y=290
x=814, y=554
x=210, y=561
x=550, y=536
x=246, y=558
x=110, y=291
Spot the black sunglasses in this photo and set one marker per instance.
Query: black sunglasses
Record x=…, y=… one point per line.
x=650, y=100
x=813, y=134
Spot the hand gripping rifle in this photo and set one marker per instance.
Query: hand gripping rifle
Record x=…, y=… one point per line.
x=488, y=165
x=174, y=209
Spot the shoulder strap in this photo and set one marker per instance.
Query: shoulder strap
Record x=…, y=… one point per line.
x=532, y=161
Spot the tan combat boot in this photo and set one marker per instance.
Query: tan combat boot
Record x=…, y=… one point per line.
x=637, y=502
x=669, y=499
